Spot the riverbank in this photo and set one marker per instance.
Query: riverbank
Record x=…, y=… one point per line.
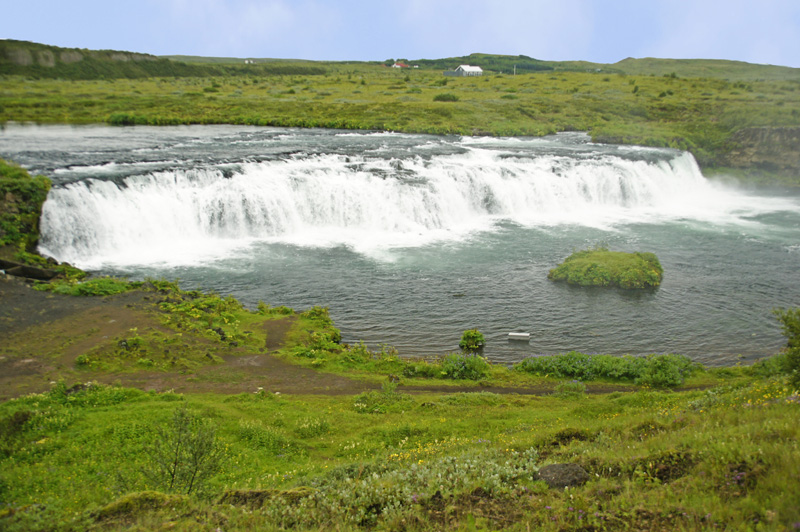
x=94, y=386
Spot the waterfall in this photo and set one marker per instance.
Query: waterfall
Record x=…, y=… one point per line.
x=362, y=201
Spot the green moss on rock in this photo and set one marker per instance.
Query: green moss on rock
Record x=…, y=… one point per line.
x=21, y=200
x=601, y=267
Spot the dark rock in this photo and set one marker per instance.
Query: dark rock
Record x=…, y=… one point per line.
x=8, y=264
x=774, y=149
x=561, y=476
x=220, y=332
x=32, y=272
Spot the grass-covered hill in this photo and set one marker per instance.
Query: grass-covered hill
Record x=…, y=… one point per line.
x=36, y=60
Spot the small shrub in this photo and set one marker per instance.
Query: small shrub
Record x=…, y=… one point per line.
x=570, y=390
x=445, y=97
x=263, y=438
x=387, y=400
x=184, y=454
x=464, y=366
x=471, y=340
x=665, y=371
x=312, y=427
x=790, y=325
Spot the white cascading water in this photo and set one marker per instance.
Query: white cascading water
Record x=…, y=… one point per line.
x=368, y=204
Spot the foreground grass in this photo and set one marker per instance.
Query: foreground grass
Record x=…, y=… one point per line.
x=722, y=458
x=91, y=456
x=696, y=114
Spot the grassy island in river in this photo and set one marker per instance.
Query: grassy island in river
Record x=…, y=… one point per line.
x=601, y=267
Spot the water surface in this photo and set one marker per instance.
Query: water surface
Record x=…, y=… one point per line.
x=410, y=239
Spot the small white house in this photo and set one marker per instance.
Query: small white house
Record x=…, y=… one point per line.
x=465, y=70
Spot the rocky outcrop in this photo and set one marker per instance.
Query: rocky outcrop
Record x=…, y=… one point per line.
x=769, y=149
x=17, y=269
x=559, y=476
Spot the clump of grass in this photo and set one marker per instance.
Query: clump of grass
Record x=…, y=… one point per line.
x=381, y=402
x=446, y=97
x=96, y=286
x=573, y=389
x=659, y=371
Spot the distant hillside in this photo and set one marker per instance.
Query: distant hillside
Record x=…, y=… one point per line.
x=496, y=63
x=707, y=68
x=685, y=68
x=43, y=61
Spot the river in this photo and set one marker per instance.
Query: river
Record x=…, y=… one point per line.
x=411, y=239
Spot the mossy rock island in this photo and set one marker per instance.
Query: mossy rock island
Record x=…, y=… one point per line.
x=601, y=267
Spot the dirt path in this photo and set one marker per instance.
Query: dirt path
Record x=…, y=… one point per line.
x=41, y=334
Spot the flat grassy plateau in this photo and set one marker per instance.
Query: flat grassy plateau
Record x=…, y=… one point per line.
x=696, y=114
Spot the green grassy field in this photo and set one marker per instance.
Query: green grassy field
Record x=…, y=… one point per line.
x=87, y=459
x=697, y=114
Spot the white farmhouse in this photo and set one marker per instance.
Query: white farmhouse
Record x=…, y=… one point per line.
x=465, y=70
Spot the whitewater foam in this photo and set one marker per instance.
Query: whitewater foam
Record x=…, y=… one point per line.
x=371, y=203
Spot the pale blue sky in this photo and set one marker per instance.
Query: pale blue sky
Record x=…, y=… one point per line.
x=604, y=31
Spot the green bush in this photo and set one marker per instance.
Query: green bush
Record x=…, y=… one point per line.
x=468, y=366
x=661, y=372
x=184, y=454
x=381, y=402
x=21, y=200
x=655, y=370
x=790, y=325
x=471, y=340
x=445, y=97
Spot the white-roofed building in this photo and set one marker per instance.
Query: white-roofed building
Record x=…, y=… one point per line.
x=465, y=70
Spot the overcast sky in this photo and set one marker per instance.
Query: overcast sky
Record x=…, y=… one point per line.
x=604, y=31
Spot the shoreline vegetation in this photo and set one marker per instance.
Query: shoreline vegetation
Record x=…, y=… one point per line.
x=142, y=406
x=714, y=109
